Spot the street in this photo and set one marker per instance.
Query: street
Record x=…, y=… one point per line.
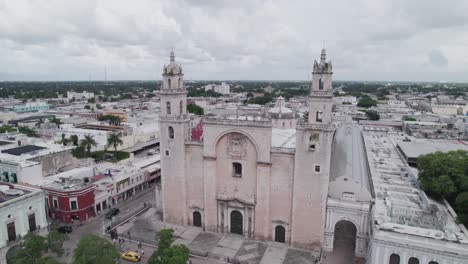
x=98, y=224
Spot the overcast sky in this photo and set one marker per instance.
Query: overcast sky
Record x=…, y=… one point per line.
x=408, y=40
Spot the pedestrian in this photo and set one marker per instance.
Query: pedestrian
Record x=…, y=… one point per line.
x=139, y=245
x=142, y=252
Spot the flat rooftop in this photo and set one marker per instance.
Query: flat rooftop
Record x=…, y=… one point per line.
x=400, y=205
x=419, y=147
x=23, y=150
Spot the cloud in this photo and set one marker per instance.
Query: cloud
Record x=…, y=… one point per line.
x=223, y=39
x=437, y=58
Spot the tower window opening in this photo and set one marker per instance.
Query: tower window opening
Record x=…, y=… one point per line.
x=168, y=108
x=171, y=132
x=169, y=83
x=237, y=169
x=317, y=168
x=167, y=152
x=179, y=84
x=320, y=84
x=181, y=106
x=312, y=147
x=318, y=116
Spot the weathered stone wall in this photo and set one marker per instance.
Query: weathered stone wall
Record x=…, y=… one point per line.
x=56, y=162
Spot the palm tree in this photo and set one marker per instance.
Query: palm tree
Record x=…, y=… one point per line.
x=56, y=121
x=88, y=142
x=64, y=139
x=39, y=123
x=114, y=140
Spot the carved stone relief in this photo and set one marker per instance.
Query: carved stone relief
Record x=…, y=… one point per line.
x=237, y=146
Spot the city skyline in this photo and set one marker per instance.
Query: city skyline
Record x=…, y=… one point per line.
x=249, y=40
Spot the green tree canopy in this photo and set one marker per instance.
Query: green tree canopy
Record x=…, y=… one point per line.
x=445, y=176
x=366, y=102
x=195, y=109
x=167, y=254
x=93, y=249
x=35, y=248
x=372, y=115
x=28, y=131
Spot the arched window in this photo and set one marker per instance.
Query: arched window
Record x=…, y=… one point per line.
x=169, y=83
x=433, y=262
x=280, y=234
x=171, y=132
x=237, y=169
x=181, y=107
x=413, y=260
x=180, y=84
x=394, y=259
x=168, y=108
x=320, y=84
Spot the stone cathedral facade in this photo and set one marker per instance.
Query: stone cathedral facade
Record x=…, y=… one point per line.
x=246, y=176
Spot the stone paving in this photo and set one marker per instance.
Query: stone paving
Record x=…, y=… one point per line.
x=224, y=247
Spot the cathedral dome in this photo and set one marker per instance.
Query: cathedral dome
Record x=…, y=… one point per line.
x=280, y=110
x=173, y=68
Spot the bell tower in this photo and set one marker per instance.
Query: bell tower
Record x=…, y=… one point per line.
x=174, y=130
x=312, y=160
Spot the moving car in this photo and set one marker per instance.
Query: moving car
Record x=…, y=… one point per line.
x=112, y=212
x=131, y=255
x=65, y=229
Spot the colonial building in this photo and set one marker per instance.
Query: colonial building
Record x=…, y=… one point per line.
x=315, y=183
x=248, y=176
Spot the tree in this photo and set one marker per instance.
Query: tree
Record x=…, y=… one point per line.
x=91, y=100
x=39, y=123
x=87, y=107
x=167, y=254
x=445, y=176
x=366, y=102
x=27, y=131
x=93, y=249
x=372, y=115
x=88, y=142
x=114, y=140
x=35, y=249
x=7, y=128
x=409, y=118
x=99, y=106
x=74, y=139
x=56, y=121
x=195, y=109
x=64, y=139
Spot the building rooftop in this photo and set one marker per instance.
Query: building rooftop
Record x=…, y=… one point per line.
x=400, y=205
x=22, y=150
x=349, y=173
x=418, y=147
x=11, y=193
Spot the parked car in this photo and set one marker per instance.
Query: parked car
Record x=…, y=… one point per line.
x=131, y=255
x=113, y=212
x=65, y=229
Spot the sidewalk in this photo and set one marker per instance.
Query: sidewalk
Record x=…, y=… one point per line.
x=216, y=246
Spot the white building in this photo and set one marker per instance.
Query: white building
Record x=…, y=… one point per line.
x=22, y=210
x=31, y=107
x=345, y=100
x=79, y=96
x=222, y=88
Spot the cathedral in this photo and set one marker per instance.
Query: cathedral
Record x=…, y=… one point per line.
x=311, y=183
x=249, y=175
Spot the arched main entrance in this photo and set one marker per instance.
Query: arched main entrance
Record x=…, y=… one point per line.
x=197, y=219
x=236, y=223
x=344, y=241
x=280, y=234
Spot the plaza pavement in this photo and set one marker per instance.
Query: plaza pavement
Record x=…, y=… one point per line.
x=223, y=247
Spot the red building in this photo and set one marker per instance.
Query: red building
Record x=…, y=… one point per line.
x=69, y=202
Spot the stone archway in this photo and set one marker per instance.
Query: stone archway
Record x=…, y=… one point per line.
x=197, y=219
x=344, y=241
x=237, y=223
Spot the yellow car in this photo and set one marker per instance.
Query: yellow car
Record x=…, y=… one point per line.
x=131, y=255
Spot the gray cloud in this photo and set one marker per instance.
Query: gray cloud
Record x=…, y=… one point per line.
x=223, y=39
x=437, y=58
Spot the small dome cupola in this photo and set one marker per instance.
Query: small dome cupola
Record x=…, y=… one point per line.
x=173, y=68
